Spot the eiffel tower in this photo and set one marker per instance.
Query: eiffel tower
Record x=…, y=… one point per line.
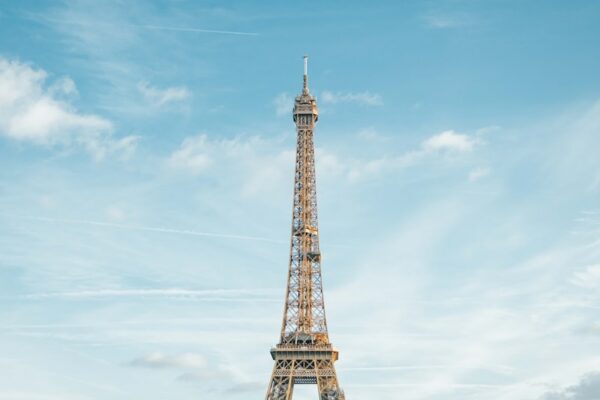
x=304, y=354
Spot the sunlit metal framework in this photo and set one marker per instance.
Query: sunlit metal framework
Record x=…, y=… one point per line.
x=304, y=354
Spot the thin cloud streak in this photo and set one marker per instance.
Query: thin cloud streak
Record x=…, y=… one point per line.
x=397, y=368
x=210, y=294
x=146, y=228
x=428, y=385
x=496, y=368
x=195, y=30
x=153, y=27
x=159, y=229
x=127, y=323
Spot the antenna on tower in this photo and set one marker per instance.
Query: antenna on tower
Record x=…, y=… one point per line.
x=305, y=89
x=305, y=64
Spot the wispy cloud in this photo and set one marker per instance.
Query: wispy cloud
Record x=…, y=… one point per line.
x=283, y=103
x=588, y=388
x=31, y=112
x=160, y=97
x=147, y=228
x=197, y=366
x=478, y=173
x=445, y=143
x=261, y=163
x=371, y=135
x=449, y=141
x=58, y=21
x=172, y=293
x=396, y=368
x=428, y=385
x=448, y=20
x=363, y=98
x=215, y=377
x=206, y=374
x=193, y=155
x=588, y=278
x=245, y=387
x=194, y=30
x=159, y=360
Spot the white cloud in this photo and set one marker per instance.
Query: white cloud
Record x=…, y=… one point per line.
x=157, y=229
x=159, y=360
x=39, y=396
x=261, y=164
x=284, y=104
x=371, y=135
x=364, y=98
x=273, y=169
x=478, y=173
x=102, y=147
x=115, y=214
x=160, y=97
x=46, y=119
x=362, y=169
x=246, y=387
x=30, y=112
x=328, y=164
x=172, y=293
x=204, y=375
x=449, y=141
x=65, y=86
x=588, y=278
x=586, y=389
x=193, y=155
x=198, y=369
x=444, y=142
x=448, y=21
x=496, y=318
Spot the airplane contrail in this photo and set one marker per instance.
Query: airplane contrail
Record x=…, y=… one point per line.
x=240, y=295
x=160, y=229
x=148, y=228
x=394, y=368
x=446, y=385
x=155, y=27
x=196, y=30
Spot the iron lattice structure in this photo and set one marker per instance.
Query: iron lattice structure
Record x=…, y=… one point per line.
x=304, y=354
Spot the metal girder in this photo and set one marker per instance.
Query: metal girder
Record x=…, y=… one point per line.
x=304, y=354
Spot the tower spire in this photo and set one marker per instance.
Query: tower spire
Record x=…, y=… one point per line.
x=305, y=88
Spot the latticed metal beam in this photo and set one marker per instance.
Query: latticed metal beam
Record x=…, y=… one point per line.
x=304, y=354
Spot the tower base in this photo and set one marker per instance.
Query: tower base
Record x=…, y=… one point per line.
x=304, y=364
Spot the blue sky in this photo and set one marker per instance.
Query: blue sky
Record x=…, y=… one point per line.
x=146, y=154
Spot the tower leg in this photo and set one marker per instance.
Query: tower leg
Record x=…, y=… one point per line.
x=282, y=385
x=280, y=389
x=327, y=382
